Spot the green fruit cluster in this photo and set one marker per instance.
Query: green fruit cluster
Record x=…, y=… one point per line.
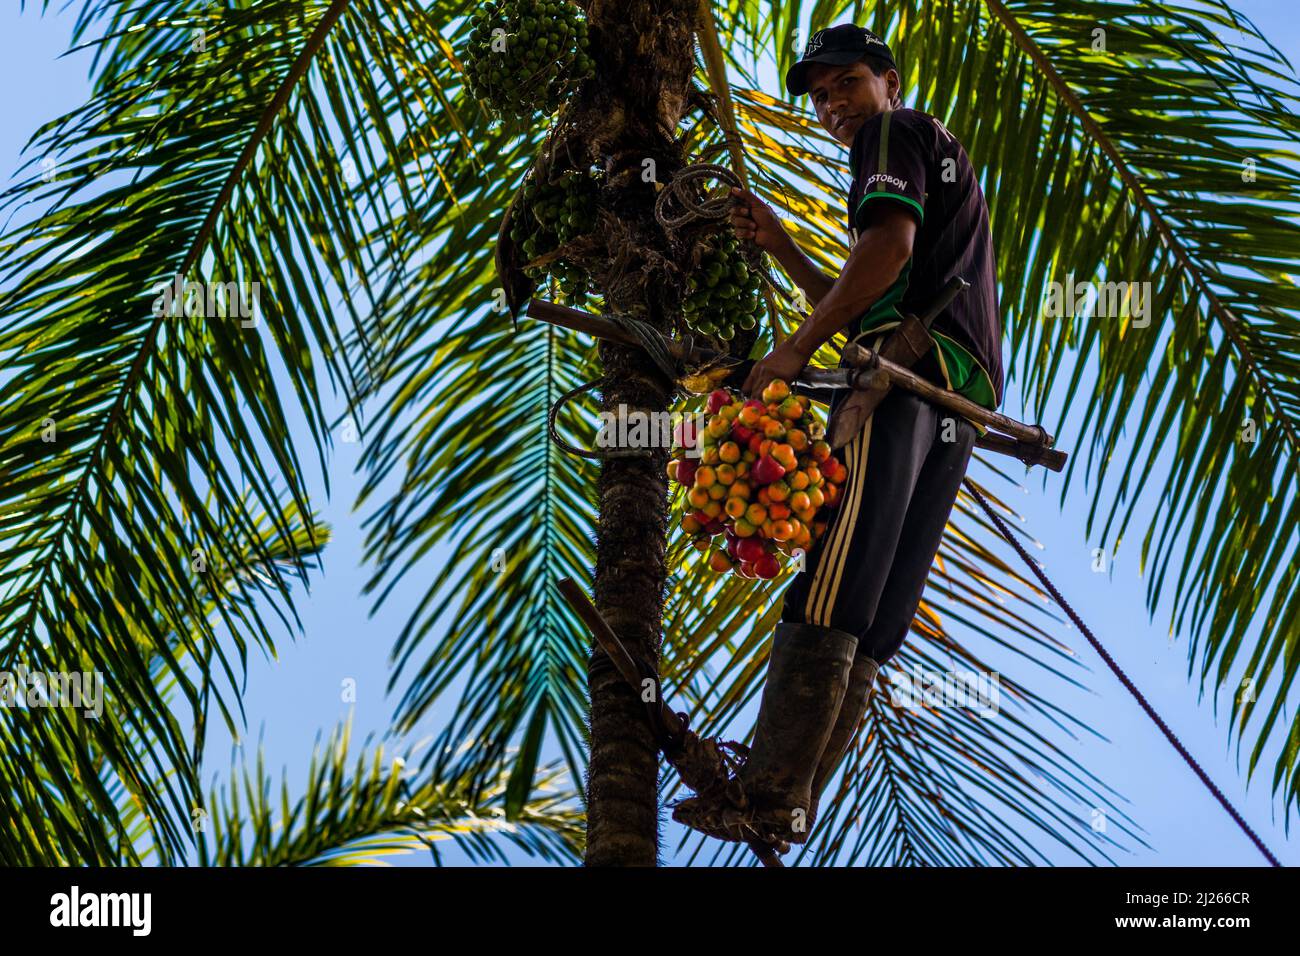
x=723, y=295
x=558, y=211
x=541, y=55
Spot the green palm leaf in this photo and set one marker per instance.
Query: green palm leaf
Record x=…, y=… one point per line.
x=362, y=815
x=136, y=449
x=83, y=805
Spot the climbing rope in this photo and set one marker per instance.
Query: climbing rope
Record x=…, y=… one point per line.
x=719, y=207
x=1110, y=662
x=682, y=377
x=656, y=347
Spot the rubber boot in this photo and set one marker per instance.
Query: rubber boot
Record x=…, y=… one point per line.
x=807, y=677
x=862, y=680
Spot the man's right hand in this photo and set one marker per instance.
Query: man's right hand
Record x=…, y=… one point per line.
x=753, y=219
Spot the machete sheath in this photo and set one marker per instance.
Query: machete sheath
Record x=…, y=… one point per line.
x=905, y=346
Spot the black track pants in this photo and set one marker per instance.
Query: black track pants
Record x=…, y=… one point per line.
x=866, y=573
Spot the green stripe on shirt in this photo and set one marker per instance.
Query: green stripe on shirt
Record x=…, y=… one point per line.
x=883, y=195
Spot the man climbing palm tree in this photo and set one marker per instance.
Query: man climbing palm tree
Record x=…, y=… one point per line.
x=916, y=217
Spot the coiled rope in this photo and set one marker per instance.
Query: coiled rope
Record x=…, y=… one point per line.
x=654, y=345
x=719, y=207
x=1115, y=668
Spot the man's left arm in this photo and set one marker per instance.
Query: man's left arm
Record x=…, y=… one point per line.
x=874, y=263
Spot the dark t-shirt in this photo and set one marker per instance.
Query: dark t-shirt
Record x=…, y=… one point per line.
x=908, y=157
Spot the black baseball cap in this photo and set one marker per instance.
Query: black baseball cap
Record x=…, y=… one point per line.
x=835, y=46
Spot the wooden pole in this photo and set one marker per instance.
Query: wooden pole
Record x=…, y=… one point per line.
x=1031, y=444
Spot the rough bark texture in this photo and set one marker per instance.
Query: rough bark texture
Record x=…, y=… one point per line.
x=644, y=55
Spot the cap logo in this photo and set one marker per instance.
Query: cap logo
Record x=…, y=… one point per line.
x=870, y=39
x=814, y=43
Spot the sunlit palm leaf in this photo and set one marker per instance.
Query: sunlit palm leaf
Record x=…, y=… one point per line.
x=377, y=808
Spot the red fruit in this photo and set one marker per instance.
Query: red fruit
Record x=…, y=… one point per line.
x=741, y=433
x=701, y=517
x=686, y=469
x=750, y=549
x=746, y=570
x=767, y=470
x=733, y=545
x=754, y=441
x=767, y=567
x=717, y=399
x=713, y=527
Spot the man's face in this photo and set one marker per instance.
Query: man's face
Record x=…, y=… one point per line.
x=847, y=96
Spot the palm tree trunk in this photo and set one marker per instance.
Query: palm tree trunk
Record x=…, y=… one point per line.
x=644, y=56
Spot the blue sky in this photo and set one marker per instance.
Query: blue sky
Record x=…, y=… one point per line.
x=291, y=699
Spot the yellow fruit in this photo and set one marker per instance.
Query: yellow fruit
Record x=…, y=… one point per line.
x=713, y=509
x=726, y=474
x=743, y=528
x=756, y=514
x=698, y=497
x=719, y=561
x=776, y=391
x=735, y=507
x=729, y=451
x=690, y=525
x=717, y=492
x=705, y=477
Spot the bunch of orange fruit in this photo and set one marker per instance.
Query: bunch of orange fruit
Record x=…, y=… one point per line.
x=759, y=474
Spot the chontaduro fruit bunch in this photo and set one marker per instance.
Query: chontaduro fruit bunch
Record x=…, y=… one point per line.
x=723, y=294
x=538, y=58
x=762, y=480
x=560, y=210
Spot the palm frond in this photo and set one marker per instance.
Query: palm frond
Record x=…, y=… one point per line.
x=136, y=447
x=362, y=815
x=82, y=805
